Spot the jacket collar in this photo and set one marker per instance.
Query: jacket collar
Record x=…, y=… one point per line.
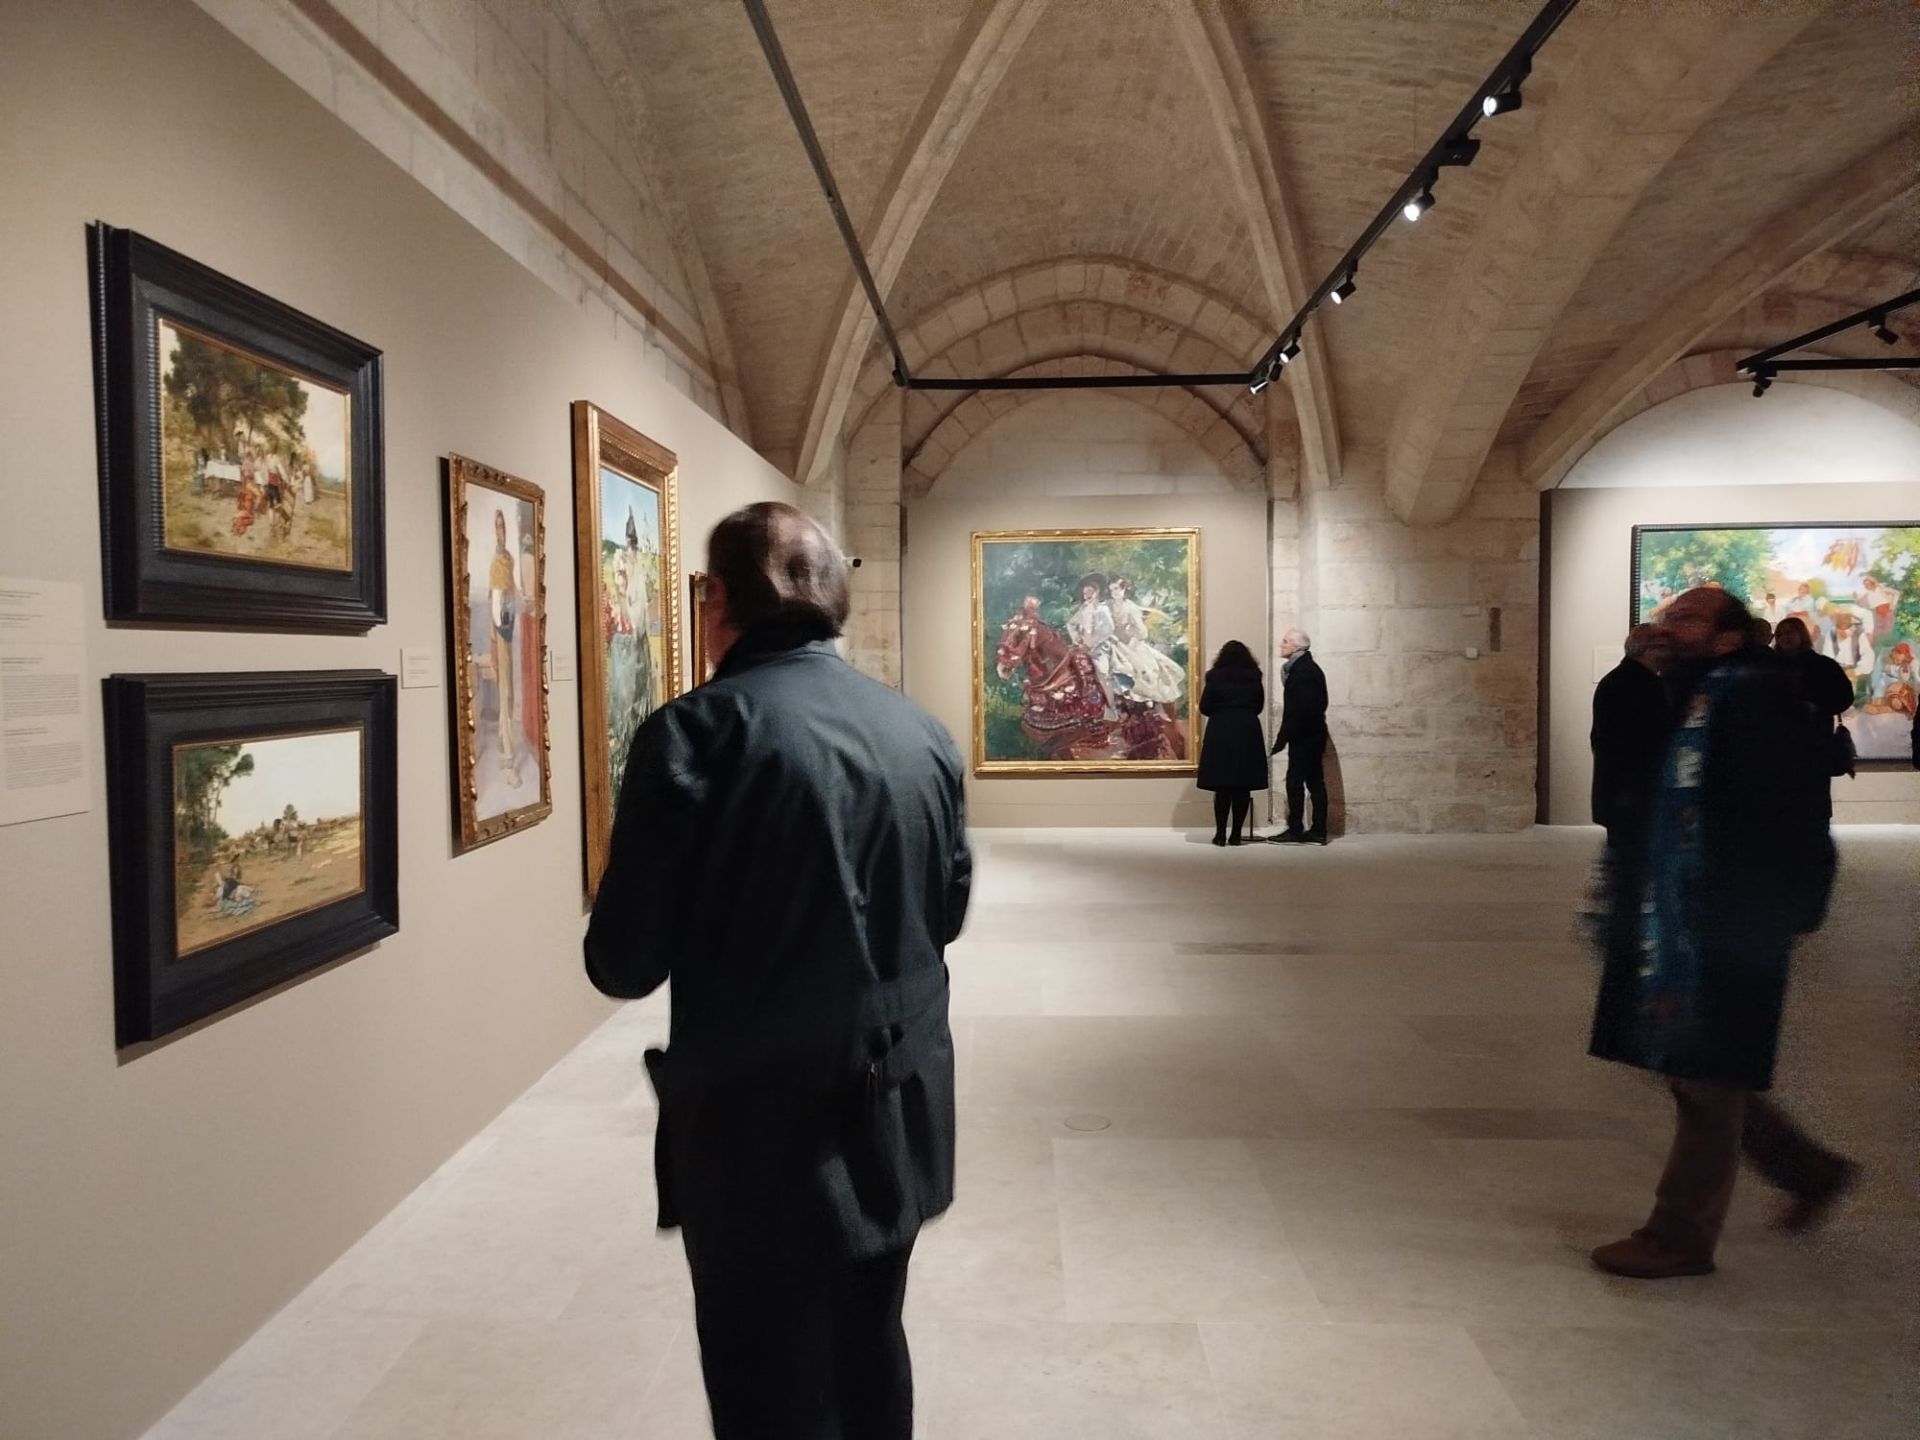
x=767, y=643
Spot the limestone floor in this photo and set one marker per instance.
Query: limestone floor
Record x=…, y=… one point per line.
x=1255, y=1143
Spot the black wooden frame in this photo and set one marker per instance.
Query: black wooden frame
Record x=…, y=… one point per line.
x=135, y=281
x=155, y=990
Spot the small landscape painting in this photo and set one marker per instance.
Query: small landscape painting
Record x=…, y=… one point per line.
x=255, y=459
x=264, y=829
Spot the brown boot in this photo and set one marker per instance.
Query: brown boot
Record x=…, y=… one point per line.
x=1642, y=1257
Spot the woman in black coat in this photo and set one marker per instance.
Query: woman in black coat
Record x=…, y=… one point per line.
x=1233, y=753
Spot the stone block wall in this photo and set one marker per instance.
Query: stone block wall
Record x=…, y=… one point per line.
x=872, y=532
x=1429, y=637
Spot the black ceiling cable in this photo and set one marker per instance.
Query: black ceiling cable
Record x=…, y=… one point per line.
x=1762, y=365
x=1497, y=95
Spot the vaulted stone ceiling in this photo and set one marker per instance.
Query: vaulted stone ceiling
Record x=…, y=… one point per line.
x=1659, y=148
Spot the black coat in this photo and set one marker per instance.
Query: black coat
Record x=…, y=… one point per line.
x=789, y=850
x=1765, y=858
x=1631, y=718
x=1233, y=750
x=1303, y=703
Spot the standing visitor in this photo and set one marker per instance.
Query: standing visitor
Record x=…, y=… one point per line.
x=1233, y=752
x=1303, y=734
x=1629, y=736
x=1695, y=972
x=789, y=853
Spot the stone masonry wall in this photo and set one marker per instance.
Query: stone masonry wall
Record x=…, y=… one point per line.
x=872, y=532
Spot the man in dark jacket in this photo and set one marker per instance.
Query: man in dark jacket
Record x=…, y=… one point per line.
x=1630, y=722
x=1696, y=970
x=789, y=851
x=1303, y=735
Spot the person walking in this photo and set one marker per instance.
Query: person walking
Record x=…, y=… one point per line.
x=1233, y=752
x=1695, y=970
x=789, y=852
x=1303, y=735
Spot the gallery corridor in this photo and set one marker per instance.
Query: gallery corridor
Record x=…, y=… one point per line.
x=1254, y=1143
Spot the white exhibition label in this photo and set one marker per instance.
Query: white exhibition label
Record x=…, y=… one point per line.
x=43, y=666
x=419, y=670
x=562, y=666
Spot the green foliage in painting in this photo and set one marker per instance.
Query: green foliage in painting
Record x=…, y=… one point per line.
x=201, y=775
x=213, y=386
x=1677, y=560
x=1896, y=563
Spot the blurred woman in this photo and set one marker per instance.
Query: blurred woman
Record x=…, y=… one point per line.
x=1233, y=752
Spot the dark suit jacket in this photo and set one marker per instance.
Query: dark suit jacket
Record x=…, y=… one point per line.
x=789, y=851
x=1631, y=719
x=1303, y=703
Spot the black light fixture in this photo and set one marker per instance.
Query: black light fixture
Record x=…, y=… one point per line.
x=1458, y=150
x=1289, y=351
x=1762, y=380
x=1260, y=381
x=1420, y=203
x=1881, y=332
x=1341, y=292
x=1507, y=98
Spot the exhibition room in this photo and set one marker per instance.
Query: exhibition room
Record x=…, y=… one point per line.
x=791, y=719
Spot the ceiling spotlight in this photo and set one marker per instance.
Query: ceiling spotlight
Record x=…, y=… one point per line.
x=1261, y=381
x=1507, y=97
x=1761, y=380
x=1881, y=332
x=1419, y=204
x=1289, y=351
x=1340, y=292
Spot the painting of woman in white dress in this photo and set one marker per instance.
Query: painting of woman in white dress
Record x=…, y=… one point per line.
x=1140, y=670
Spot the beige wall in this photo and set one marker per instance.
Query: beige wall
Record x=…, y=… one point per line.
x=154, y=1210
x=1590, y=560
x=938, y=647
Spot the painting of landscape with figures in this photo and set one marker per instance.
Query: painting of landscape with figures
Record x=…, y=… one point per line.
x=254, y=458
x=1086, y=646
x=631, y=613
x=264, y=830
x=1856, y=587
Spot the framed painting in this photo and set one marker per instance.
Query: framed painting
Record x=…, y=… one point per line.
x=241, y=482
x=497, y=614
x=1857, y=587
x=253, y=822
x=702, y=669
x=1086, y=651
x=627, y=572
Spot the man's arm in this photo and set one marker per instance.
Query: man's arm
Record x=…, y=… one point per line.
x=960, y=866
x=636, y=914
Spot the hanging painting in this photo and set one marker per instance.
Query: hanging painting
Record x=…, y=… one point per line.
x=627, y=559
x=240, y=451
x=253, y=828
x=697, y=627
x=497, y=561
x=1856, y=586
x=1086, y=647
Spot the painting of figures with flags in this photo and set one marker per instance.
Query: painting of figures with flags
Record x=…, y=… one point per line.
x=1085, y=653
x=1856, y=587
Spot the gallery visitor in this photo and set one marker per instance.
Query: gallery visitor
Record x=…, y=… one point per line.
x=1303, y=735
x=1629, y=736
x=1233, y=750
x=1695, y=969
x=1822, y=693
x=789, y=852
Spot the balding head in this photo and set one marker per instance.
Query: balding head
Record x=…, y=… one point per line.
x=1706, y=622
x=1293, y=642
x=776, y=566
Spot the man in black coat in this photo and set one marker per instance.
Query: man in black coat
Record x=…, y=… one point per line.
x=1695, y=973
x=1303, y=734
x=789, y=851
x=1631, y=718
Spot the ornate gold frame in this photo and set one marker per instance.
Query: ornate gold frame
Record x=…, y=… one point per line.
x=601, y=440
x=1195, y=650
x=700, y=667
x=473, y=831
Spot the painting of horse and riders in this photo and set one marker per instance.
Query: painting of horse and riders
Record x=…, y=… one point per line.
x=1085, y=648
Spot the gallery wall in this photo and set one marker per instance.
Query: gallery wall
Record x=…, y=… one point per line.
x=157, y=1207
x=1714, y=456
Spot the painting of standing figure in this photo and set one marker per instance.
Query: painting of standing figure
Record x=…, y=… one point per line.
x=1856, y=588
x=497, y=555
x=1085, y=651
x=626, y=520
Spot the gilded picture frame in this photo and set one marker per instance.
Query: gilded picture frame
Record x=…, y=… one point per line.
x=501, y=734
x=1059, y=689
x=626, y=506
x=700, y=665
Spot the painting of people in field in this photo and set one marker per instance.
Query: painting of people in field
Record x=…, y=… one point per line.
x=1856, y=587
x=255, y=460
x=1085, y=647
x=264, y=829
x=631, y=615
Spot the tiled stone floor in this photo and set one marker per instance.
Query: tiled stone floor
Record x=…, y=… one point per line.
x=1353, y=1158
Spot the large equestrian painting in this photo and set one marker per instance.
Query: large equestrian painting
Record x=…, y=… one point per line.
x=1085, y=647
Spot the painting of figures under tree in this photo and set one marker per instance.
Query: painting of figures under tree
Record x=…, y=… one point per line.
x=1086, y=649
x=1857, y=588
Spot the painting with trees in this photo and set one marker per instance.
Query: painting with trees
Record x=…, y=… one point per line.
x=1856, y=586
x=254, y=834
x=1086, y=650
